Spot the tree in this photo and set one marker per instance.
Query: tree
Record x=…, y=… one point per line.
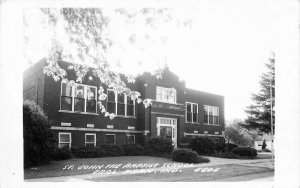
x=259, y=113
x=38, y=138
x=85, y=36
x=234, y=133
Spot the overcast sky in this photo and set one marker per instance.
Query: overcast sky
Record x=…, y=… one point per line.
x=222, y=50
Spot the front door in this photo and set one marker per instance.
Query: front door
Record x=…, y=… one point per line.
x=167, y=128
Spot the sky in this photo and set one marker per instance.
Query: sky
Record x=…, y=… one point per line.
x=222, y=49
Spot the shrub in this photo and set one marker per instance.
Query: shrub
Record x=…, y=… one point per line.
x=245, y=151
x=159, y=145
x=38, y=138
x=228, y=155
x=230, y=146
x=112, y=150
x=202, y=145
x=133, y=149
x=187, y=156
x=88, y=152
x=220, y=147
x=61, y=154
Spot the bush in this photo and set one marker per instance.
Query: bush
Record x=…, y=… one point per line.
x=245, y=151
x=38, y=138
x=133, y=149
x=61, y=154
x=112, y=150
x=88, y=152
x=187, y=156
x=220, y=147
x=203, y=145
x=228, y=155
x=159, y=145
x=231, y=146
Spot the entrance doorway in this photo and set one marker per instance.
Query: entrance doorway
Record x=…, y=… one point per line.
x=167, y=128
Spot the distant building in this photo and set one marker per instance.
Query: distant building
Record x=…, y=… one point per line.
x=259, y=142
x=77, y=120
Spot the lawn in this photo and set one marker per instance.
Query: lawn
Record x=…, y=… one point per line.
x=60, y=168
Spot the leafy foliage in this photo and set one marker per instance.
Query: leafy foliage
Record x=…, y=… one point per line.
x=89, y=152
x=88, y=38
x=245, y=151
x=259, y=113
x=159, y=145
x=38, y=138
x=133, y=149
x=61, y=154
x=187, y=156
x=203, y=145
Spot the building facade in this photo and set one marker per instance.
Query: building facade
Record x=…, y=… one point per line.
x=176, y=112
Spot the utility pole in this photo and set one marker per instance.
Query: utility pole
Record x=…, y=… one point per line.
x=271, y=94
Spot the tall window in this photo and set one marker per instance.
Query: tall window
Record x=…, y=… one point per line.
x=191, y=112
x=90, y=139
x=166, y=94
x=211, y=115
x=64, y=140
x=130, y=139
x=120, y=104
x=78, y=98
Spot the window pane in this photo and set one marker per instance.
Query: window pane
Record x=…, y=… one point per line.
x=121, y=109
x=111, y=95
x=216, y=111
x=91, y=106
x=205, y=110
x=130, y=110
x=111, y=107
x=210, y=110
x=64, y=138
x=66, y=90
x=188, y=107
x=121, y=98
x=79, y=91
x=210, y=119
x=189, y=117
x=216, y=120
x=205, y=119
x=66, y=103
x=79, y=104
x=195, y=113
x=91, y=93
x=110, y=139
x=90, y=138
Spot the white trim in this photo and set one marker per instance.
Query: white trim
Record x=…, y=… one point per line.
x=194, y=134
x=65, y=124
x=168, y=114
x=173, y=126
x=65, y=133
x=192, y=111
x=125, y=104
x=128, y=135
x=90, y=134
x=213, y=107
x=110, y=135
x=130, y=127
x=109, y=126
x=90, y=125
x=76, y=112
x=85, y=88
x=98, y=130
x=195, y=131
x=171, y=102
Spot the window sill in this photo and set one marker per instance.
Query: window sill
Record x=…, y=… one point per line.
x=125, y=116
x=71, y=112
x=196, y=123
x=167, y=102
x=211, y=124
